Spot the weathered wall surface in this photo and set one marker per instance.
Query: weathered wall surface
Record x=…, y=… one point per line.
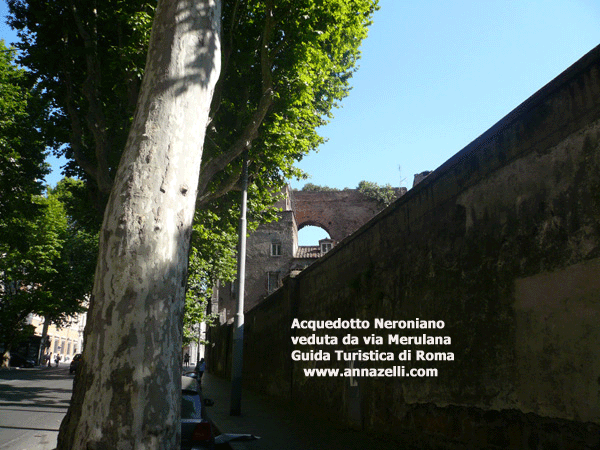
x=502, y=243
x=259, y=259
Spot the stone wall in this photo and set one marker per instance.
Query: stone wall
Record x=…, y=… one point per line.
x=502, y=243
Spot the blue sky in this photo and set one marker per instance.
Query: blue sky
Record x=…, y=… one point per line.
x=434, y=75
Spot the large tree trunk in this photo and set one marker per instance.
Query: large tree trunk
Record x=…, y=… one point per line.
x=127, y=392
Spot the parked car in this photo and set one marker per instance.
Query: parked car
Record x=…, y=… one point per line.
x=74, y=363
x=17, y=360
x=197, y=430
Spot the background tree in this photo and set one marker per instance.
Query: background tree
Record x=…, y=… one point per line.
x=77, y=262
x=21, y=170
x=22, y=150
x=212, y=258
x=73, y=280
x=384, y=194
x=49, y=275
x=311, y=187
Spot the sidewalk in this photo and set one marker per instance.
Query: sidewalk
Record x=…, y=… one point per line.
x=279, y=426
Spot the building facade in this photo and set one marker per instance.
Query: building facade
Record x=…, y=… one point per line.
x=66, y=341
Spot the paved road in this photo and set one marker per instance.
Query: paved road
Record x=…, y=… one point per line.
x=32, y=405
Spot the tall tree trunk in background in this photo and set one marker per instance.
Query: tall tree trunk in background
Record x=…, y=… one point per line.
x=43, y=341
x=128, y=389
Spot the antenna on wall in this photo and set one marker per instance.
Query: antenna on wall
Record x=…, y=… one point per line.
x=402, y=180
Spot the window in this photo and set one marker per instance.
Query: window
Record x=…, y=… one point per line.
x=275, y=249
x=272, y=281
x=325, y=245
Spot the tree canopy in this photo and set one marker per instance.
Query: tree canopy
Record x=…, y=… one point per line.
x=286, y=65
x=87, y=58
x=384, y=194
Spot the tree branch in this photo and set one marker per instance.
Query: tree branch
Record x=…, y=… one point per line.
x=226, y=186
x=76, y=139
x=226, y=55
x=250, y=132
x=95, y=118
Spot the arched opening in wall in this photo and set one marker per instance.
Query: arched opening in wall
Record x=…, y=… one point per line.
x=311, y=234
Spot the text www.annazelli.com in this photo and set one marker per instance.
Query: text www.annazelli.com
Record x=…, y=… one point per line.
x=395, y=371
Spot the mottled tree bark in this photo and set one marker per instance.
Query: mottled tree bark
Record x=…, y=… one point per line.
x=127, y=390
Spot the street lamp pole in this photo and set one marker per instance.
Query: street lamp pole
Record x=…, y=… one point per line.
x=238, y=330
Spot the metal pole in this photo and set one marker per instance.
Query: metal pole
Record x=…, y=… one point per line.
x=199, y=339
x=238, y=330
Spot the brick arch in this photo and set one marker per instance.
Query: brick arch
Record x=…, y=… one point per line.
x=313, y=223
x=340, y=213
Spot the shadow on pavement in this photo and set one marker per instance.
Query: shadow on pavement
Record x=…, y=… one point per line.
x=41, y=397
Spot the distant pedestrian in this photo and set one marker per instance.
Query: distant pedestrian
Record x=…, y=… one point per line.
x=200, y=368
x=57, y=359
x=186, y=359
x=49, y=359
